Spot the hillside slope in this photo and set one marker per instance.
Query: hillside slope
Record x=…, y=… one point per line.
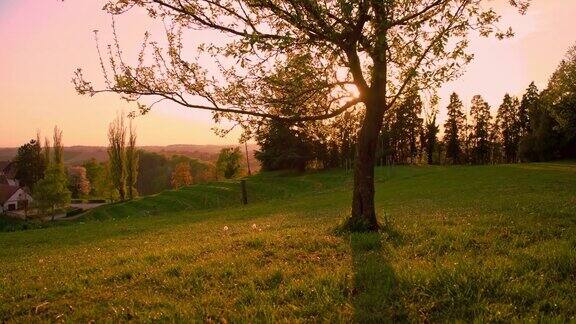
x=76, y=155
x=492, y=243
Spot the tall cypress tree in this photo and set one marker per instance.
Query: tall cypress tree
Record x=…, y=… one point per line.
x=117, y=155
x=454, y=129
x=58, y=147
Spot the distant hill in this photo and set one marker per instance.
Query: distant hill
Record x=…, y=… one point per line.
x=75, y=155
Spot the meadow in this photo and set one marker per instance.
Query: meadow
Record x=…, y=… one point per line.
x=484, y=243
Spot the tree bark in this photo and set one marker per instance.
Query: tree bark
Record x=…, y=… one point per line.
x=363, y=216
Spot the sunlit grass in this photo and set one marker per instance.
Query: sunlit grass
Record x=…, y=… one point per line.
x=493, y=243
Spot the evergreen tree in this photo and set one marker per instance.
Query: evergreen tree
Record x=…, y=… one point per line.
x=431, y=133
x=560, y=97
x=542, y=140
x=284, y=147
x=546, y=137
x=496, y=152
x=30, y=164
x=480, y=114
x=454, y=130
x=509, y=127
x=402, y=128
x=529, y=100
x=531, y=105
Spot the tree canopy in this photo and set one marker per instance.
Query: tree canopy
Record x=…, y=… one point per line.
x=229, y=163
x=313, y=48
x=301, y=61
x=561, y=99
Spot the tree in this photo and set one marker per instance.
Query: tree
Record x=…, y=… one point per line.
x=355, y=53
x=402, y=127
x=509, y=128
x=78, y=182
x=560, y=96
x=283, y=147
x=154, y=175
x=531, y=106
x=542, y=141
x=131, y=164
x=181, y=175
x=30, y=164
x=117, y=155
x=57, y=147
x=480, y=114
x=454, y=129
x=108, y=189
x=431, y=137
x=229, y=162
x=51, y=192
x=525, y=109
x=47, y=152
x=100, y=184
x=344, y=134
x=201, y=171
x=496, y=155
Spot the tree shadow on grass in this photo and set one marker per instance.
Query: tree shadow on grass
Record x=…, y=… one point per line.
x=375, y=293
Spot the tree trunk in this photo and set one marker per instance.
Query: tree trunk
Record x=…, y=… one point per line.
x=363, y=216
x=122, y=193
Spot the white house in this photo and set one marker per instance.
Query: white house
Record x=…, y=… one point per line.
x=13, y=198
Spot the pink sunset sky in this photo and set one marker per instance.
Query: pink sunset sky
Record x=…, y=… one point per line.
x=43, y=41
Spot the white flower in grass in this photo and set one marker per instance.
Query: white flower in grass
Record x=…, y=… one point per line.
x=225, y=228
x=254, y=227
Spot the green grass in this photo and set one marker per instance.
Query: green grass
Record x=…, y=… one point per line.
x=489, y=243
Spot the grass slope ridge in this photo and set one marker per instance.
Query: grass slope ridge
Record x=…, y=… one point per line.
x=277, y=186
x=491, y=243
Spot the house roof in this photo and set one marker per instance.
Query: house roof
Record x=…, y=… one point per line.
x=4, y=164
x=7, y=191
x=9, y=169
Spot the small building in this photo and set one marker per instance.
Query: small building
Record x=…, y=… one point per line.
x=13, y=198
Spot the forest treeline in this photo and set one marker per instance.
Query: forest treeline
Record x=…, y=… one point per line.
x=538, y=126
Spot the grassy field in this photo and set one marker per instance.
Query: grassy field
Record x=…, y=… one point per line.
x=490, y=243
